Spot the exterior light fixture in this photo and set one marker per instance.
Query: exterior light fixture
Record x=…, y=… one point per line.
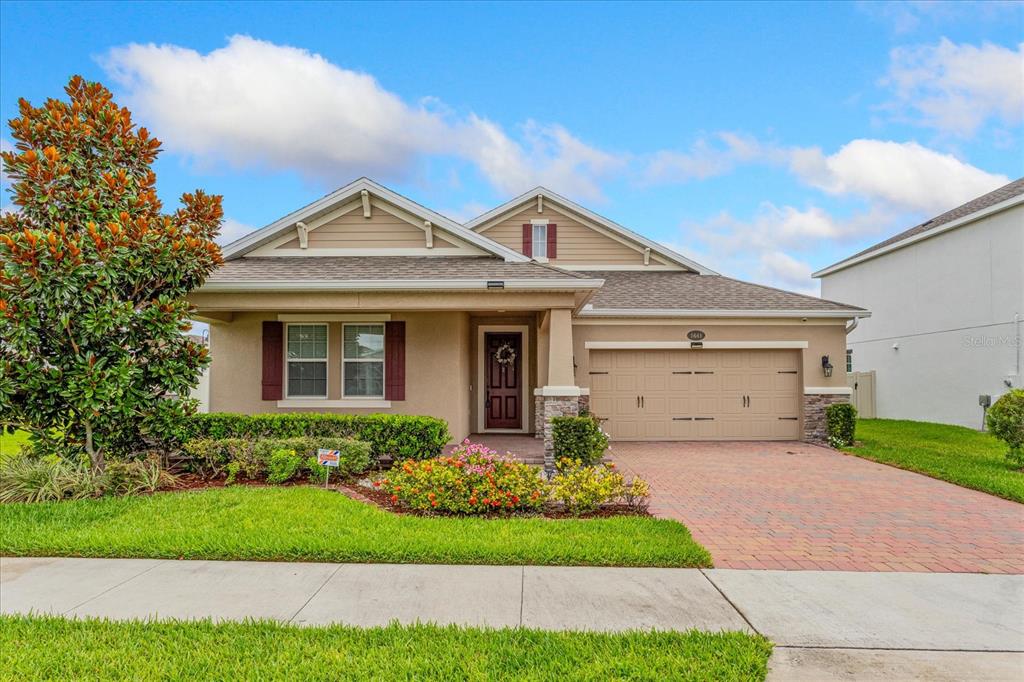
x=826, y=366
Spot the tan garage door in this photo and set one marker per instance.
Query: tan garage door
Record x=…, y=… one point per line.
x=697, y=394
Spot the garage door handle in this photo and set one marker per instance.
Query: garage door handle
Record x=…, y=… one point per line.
x=599, y=372
x=787, y=371
x=641, y=401
x=682, y=372
x=703, y=372
x=788, y=419
x=638, y=402
x=682, y=419
x=703, y=419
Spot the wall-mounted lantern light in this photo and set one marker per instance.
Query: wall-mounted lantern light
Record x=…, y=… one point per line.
x=826, y=366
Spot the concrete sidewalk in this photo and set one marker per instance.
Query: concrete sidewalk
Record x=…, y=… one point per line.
x=826, y=625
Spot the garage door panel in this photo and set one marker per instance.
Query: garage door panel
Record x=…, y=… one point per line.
x=697, y=395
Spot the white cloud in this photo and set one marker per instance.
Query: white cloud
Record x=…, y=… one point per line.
x=907, y=16
x=957, y=88
x=253, y=103
x=787, y=272
x=709, y=157
x=231, y=229
x=903, y=174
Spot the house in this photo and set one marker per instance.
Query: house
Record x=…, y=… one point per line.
x=947, y=302
x=365, y=301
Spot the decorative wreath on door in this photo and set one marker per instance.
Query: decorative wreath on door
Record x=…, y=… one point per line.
x=505, y=355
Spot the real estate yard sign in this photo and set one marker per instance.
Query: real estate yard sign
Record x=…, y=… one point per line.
x=328, y=458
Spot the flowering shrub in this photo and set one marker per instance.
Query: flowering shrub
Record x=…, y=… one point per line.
x=583, y=488
x=637, y=495
x=472, y=480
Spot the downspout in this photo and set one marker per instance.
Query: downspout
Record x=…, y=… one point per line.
x=853, y=325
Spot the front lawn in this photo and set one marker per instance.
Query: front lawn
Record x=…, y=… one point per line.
x=956, y=454
x=33, y=648
x=304, y=523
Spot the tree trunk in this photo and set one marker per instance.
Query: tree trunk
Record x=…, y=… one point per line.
x=95, y=456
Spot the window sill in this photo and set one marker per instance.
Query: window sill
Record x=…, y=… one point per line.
x=344, y=403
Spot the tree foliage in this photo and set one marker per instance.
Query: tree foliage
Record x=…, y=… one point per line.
x=93, y=279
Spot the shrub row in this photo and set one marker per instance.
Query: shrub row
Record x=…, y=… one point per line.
x=397, y=436
x=50, y=479
x=474, y=480
x=270, y=458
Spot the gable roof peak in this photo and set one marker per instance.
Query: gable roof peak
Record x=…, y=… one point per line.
x=587, y=214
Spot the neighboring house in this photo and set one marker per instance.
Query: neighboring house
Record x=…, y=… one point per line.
x=365, y=301
x=947, y=303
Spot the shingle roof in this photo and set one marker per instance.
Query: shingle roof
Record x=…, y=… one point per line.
x=994, y=197
x=630, y=289
x=362, y=268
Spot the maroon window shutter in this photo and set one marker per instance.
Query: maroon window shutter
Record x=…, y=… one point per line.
x=394, y=360
x=273, y=360
x=528, y=240
x=552, y=240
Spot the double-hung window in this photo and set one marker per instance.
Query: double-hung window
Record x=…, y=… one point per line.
x=540, y=239
x=307, y=360
x=363, y=361
x=849, y=359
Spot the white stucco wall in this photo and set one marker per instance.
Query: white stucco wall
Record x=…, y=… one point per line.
x=949, y=303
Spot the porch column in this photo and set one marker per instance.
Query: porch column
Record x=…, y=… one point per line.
x=558, y=396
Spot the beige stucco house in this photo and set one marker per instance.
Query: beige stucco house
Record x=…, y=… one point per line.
x=365, y=301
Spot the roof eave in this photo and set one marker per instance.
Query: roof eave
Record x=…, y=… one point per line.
x=927, y=234
x=403, y=285
x=590, y=311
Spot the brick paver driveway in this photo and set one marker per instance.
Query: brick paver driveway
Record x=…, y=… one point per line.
x=799, y=506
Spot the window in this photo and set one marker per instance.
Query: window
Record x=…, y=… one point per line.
x=540, y=239
x=363, y=361
x=307, y=360
x=849, y=359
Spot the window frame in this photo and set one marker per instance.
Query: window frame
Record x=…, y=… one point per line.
x=849, y=360
x=382, y=360
x=325, y=360
x=539, y=250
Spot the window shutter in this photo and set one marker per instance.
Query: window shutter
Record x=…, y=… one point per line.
x=273, y=360
x=552, y=240
x=528, y=240
x=394, y=360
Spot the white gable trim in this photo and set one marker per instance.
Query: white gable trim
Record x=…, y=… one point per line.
x=254, y=240
x=484, y=221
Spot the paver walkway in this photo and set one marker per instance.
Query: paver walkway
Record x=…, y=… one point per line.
x=798, y=506
x=825, y=625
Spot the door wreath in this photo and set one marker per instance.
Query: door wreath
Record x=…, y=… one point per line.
x=505, y=355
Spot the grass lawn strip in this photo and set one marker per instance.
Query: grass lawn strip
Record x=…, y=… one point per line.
x=36, y=648
x=305, y=523
x=966, y=457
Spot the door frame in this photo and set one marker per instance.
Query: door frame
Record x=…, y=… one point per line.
x=525, y=385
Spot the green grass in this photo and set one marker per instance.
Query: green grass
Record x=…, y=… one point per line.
x=304, y=523
x=952, y=453
x=37, y=648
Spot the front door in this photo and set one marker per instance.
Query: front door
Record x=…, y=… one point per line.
x=503, y=383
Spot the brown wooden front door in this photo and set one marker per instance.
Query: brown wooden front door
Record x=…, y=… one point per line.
x=503, y=399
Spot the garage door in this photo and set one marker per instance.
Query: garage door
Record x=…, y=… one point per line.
x=697, y=394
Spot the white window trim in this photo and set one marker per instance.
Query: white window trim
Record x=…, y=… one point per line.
x=325, y=360
x=537, y=255
x=383, y=364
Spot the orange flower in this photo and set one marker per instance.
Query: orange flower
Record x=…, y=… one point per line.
x=394, y=498
x=472, y=500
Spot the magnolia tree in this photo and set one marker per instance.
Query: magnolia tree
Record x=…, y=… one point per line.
x=93, y=278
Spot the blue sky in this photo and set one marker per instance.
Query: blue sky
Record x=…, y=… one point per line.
x=765, y=140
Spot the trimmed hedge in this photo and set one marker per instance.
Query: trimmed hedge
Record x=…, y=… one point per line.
x=398, y=436
x=579, y=438
x=841, y=419
x=210, y=457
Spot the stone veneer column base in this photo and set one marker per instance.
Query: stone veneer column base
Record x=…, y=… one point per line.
x=548, y=406
x=815, y=423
